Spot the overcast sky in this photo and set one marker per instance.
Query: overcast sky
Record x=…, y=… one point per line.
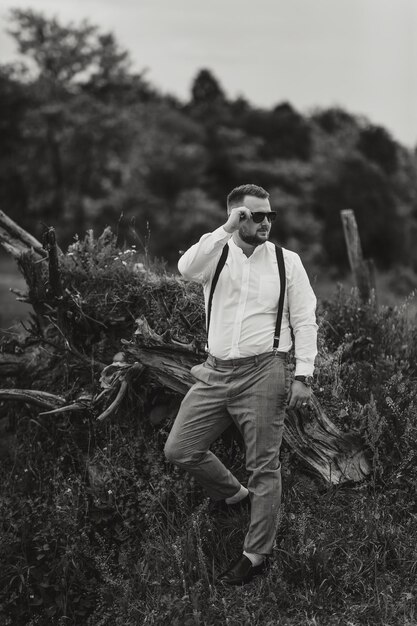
x=358, y=54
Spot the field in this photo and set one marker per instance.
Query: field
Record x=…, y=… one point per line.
x=99, y=530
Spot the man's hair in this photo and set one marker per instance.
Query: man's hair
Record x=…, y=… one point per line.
x=235, y=197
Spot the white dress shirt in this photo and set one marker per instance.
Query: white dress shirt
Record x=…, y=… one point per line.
x=245, y=301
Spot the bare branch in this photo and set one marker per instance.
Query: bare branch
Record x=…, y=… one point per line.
x=16, y=240
x=64, y=409
x=116, y=402
x=32, y=396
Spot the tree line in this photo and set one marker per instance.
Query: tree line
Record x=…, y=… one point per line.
x=88, y=142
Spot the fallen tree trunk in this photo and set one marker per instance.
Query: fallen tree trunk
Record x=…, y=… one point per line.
x=338, y=457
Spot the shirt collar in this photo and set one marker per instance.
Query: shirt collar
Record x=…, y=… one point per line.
x=257, y=250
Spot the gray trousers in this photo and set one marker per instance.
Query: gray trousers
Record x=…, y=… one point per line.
x=252, y=393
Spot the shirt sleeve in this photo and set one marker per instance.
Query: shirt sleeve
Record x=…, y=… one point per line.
x=199, y=261
x=302, y=313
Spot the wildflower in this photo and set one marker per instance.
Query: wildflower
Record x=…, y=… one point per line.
x=110, y=492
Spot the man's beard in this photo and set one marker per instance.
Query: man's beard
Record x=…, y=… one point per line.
x=253, y=240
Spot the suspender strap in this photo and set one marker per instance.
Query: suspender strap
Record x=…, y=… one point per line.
x=219, y=268
x=282, y=279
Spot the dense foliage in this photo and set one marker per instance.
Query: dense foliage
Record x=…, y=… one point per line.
x=98, y=529
x=86, y=140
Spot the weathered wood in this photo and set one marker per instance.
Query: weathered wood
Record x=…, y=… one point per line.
x=168, y=365
x=29, y=253
x=129, y=376
x=26, y=359
x=362, y=269
x=338, y=457
x=15, y=240
x=50, y=245
x=33, y=396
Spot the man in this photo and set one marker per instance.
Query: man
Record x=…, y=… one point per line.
x=244, y=379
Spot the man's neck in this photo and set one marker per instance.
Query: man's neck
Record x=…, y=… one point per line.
x=246, y=248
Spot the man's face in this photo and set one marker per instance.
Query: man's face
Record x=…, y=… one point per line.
x=249, y=232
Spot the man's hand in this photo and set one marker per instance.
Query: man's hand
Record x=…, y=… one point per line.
x=236, y=217
x=299, y=395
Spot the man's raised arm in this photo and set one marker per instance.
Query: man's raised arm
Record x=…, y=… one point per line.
x=199, y=261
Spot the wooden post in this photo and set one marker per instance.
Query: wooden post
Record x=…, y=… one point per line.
x=49, y=244
x=363, y=270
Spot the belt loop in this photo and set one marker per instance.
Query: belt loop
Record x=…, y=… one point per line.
x=256, y=359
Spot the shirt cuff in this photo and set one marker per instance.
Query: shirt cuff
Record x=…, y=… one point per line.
x=304, y=369
x=220, y=233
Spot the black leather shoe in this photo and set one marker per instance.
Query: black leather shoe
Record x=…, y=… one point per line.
x=241, y=572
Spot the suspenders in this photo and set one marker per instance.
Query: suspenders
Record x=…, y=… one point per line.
x=281, y=270
x=219, y=268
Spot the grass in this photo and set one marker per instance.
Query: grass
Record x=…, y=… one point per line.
x=99, y=530
x=334, y=563
x=341, y=557
x=139, y=545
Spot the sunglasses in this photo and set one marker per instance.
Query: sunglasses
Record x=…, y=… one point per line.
x=259, y=216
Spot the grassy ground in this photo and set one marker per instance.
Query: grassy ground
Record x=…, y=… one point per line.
x=144, y=548
x=342, y=558
x=99, y=530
